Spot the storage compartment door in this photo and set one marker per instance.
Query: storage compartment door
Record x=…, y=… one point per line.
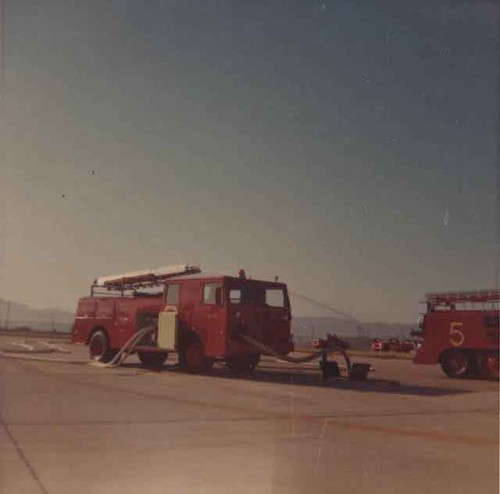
x=167, y=330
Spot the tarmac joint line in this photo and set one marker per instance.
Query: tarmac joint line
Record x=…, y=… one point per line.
x=23, y=456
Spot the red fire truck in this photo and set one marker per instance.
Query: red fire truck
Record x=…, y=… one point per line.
x=197, y=315
x=460, y=331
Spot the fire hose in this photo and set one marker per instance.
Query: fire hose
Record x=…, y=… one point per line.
x=127, y=349
x=335, y=347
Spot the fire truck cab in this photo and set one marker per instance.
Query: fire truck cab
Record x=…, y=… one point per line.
x=199, y=316
x=460, y=331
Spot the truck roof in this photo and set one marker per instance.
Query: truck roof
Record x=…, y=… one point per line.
x=156, y=277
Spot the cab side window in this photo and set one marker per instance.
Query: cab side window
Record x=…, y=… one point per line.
x=275, y=297
x=172, y=297
x=235, y=296
x=210, y=293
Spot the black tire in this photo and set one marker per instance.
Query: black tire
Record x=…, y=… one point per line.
x=456, y=363
x=192, y=358
x=152, y=360
x=99, y=349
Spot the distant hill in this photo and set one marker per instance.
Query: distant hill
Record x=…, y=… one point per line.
x=21, y=315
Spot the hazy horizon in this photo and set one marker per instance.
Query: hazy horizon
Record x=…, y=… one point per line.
x=349, y=148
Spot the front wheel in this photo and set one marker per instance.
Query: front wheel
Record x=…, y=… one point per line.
x=456, y=363
x=99, y=349
x=152, y=360
x=193, y=359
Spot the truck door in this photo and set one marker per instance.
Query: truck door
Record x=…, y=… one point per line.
x=210, y=319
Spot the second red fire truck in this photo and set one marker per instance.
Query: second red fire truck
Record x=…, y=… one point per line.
x=460, y=331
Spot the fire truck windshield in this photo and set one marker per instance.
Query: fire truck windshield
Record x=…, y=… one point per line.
x=253, y=295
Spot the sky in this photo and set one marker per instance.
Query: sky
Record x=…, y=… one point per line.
x=350, y=148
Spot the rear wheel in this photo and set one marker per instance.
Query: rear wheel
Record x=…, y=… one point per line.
x=152, y=360
x=193, y=359
x=99, y=349
x=456, y=363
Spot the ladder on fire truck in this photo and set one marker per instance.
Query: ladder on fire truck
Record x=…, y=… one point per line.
x=449, y=299
x=146, y=278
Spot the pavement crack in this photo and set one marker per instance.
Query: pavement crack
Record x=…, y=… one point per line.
x=23, y=457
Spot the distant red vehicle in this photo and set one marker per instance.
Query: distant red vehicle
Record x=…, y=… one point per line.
x=379, y=345
x=196, y=315
x=460, y=331
x=392, y=345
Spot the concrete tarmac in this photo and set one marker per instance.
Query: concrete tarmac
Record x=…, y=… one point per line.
x=73, y=428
